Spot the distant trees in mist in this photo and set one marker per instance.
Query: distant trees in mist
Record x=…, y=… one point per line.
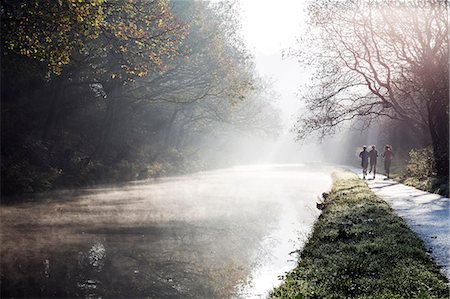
x=99, y=91
x=378, y=60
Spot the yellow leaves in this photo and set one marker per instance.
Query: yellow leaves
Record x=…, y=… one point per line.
x=144, y=33
x=142, y=73
x=56, y=32
x=123, y=49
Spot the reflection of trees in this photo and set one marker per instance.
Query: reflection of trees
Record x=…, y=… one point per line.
x=379, y=59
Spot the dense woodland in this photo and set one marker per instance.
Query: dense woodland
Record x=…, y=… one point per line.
x=105, y=91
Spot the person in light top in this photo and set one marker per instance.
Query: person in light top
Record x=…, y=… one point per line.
x=387, y=155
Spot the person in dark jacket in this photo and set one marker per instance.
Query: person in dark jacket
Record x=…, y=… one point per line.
x=364, y=155
x=373, y=155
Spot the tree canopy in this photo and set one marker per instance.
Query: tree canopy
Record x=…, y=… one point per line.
x=378, y=59
x=98, y=91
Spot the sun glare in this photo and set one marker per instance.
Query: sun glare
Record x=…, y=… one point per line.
x=269, y=26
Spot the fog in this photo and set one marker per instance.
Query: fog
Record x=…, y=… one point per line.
x=176, y=149
x=269, y=31
x=221, y=234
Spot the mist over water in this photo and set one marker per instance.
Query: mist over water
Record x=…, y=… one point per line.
x=219, y=234
x=184, y=115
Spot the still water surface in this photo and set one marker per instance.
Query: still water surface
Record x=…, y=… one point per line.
x=221, y=234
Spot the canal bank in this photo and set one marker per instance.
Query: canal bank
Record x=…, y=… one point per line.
x=361, y=249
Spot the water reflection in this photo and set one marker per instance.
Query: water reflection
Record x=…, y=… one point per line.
x=276, y=254
x=88, y=287
x=218, y=234
x=96, y=256
x=46, y=268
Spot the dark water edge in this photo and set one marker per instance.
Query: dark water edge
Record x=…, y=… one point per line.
x=174, y=260
x=188, y=237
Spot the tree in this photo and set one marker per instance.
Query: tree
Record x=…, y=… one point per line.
x=379, y=59
x=49, y=31
x=197, y=89
x=106, y=43
x=149, y=83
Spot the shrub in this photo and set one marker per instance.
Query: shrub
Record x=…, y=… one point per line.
x=421, y=164
x=156, y=169
x=126, y=171
x=23, y=177
x=420, y=172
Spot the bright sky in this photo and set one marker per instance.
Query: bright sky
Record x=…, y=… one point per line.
x=269, y=27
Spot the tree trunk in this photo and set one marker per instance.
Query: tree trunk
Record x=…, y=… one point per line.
x=108, y=122
x=436, y=88
x=439, y=131
x=51, y=115
x=168, y=129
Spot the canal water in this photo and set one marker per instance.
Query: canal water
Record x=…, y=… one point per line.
x=228, y=233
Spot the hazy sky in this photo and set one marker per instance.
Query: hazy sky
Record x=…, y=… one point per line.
x=269, y=27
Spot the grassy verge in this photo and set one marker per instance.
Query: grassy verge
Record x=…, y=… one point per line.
x=361, y=249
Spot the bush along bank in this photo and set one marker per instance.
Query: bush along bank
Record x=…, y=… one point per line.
x=360, y=248
x=420, y=173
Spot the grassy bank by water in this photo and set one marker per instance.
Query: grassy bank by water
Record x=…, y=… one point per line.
x=360, y=248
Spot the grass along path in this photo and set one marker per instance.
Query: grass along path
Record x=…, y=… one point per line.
x=360, y=248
